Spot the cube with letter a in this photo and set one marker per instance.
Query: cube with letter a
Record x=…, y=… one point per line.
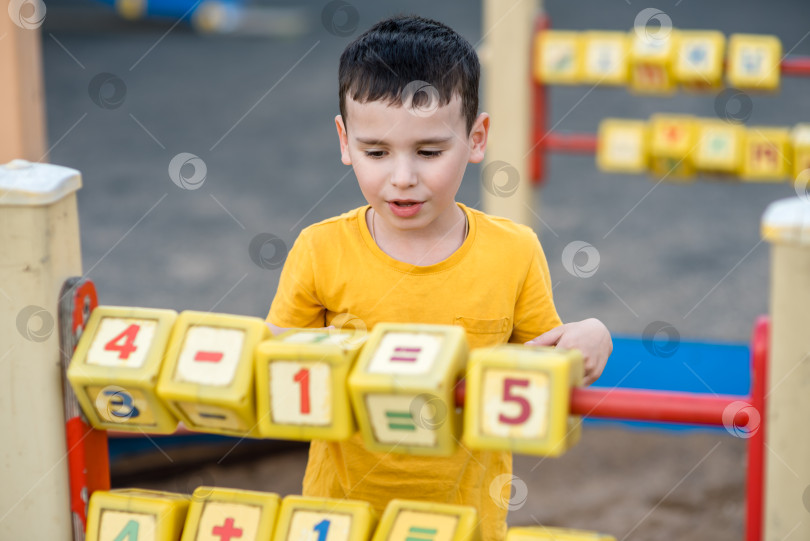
x=719, y=147
x=218, y=514
x=544, y=533
x=115, y=368
x=301, y=390
x=518, y=398
x=405, y=520
x=402, y=388
x=136, y=514
x=699, y=59
x=324, y=519
x=605, y=58
x=651, y=63
x=672, y=145
x=622, y=146
x=766, y=153
x=754, y=62
x=558, y=57
x=207, y=377
x=800, y=141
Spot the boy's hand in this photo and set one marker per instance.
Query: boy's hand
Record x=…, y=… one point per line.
x=590, y=336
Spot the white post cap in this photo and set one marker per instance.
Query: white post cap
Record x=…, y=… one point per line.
x=787, y=221
x=23, y=183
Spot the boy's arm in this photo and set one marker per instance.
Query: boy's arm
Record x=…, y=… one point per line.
x=590, y=336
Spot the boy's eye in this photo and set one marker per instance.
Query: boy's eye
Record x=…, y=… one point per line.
x=430, y=153
x=375, y=153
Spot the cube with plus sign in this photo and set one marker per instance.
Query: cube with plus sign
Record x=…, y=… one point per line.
x=402, y=388
x=544, y=533
x=324, y=519
x=557, y=57
x=130, y=514
x=301, y=384
x=800, y=142
x=622, y=146
x=754, y=62
x=207, y=378
x=699, y=59
x=225, y=514
x=405, y=520
x=605, y=58
x=652, y=56
x=766, y=153
x=672, y=146
x=518, y=398
x=719, y=147
x=115, y=367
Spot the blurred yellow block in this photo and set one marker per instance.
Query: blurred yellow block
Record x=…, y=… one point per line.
x=402, y=388
x=719, y=147
x=673, y=142
x=225, y=513
x=766, y=153
x=699, y=59
x=301, y=384
x=651, y=63
x=207, y=377
x=558, y=57
x=622, y=146
x=115, y=368
x=605, y=58
x=518, y=397
x=136, y=514
x=800, y=142
x=324, y=519
x=543, y=533
x=754, y=62
x=405, y=520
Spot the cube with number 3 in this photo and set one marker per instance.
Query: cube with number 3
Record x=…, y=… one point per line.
x=301, y=390
x=207, y=377
x=115, y=367
x=518, y=398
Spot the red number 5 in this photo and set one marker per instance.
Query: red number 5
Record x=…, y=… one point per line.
x=525, y=407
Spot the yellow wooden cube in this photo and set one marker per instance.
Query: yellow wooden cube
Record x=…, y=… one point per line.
x=651, y=63
x=673, y=141
x=800, y=142
x=405, y=520
x=699, y=59
x=558, y=57
x=766, y=153
x=622, y=146
x=115, y=368
x=605, y=58
x=207, y=377
x=324, y=519
x=301, y=390
x=754, y=62
x=225, y=513
x=402, y=388
x=518, y=398
x=719, y=147
x=136, y=514
x=544, y=533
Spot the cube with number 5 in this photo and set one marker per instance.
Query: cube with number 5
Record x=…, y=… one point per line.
x=115, y=369
x=518, y=398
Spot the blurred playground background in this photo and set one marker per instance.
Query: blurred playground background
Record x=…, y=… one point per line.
x=124, y=98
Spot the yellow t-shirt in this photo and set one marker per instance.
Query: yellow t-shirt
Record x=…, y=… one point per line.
x=496, y=286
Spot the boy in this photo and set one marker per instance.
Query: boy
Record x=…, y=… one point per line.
x=409, y=124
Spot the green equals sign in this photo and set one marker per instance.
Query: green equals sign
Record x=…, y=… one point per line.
x=400, y=420
x=421, y=534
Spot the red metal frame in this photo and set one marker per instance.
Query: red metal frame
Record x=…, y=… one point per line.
x=755, y=480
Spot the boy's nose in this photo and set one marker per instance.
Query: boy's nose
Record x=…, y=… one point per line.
x=403, y=175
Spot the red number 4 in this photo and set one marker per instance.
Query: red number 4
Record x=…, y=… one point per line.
x=525, y=407
x=128, y=347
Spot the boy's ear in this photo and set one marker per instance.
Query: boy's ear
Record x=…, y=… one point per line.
x=478, y=138
x=344, y=140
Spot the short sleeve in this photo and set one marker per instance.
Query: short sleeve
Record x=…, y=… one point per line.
x=534, y=309
x=296, y=303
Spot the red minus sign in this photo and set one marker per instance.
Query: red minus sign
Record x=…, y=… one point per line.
x=403, y=358
x=208, y=356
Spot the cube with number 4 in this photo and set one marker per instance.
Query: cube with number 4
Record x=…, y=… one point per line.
x=207, y=378
x=518, y=398
x=301, y=390
x=405, y=520
x=402, y=388
x=136, y=514
x=115, y=369
x=324, y=519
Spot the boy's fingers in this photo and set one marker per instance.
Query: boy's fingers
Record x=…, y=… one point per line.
x=548, y=338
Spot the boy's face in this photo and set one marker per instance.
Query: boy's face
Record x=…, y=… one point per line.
x=409, y=163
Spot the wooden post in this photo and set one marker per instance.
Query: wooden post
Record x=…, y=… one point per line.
x=786, y=225
x=39, y=236
x=22, y=99
x=507, y=30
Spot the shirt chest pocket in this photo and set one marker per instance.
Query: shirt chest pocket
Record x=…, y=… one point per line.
x=485, y=332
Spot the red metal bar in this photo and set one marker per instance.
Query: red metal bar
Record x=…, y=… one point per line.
x=537, y=159
x=573, y=143
x=755, y=480
x=798, y=66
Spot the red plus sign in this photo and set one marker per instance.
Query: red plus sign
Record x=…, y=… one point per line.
x=227, y=531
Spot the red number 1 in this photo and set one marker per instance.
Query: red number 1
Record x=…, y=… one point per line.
x=525, y=407
x=124, y=350
x=302, y=377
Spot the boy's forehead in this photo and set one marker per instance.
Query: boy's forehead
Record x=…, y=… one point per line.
x=382, y=115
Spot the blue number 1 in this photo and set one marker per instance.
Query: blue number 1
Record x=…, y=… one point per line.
x=322, y=527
